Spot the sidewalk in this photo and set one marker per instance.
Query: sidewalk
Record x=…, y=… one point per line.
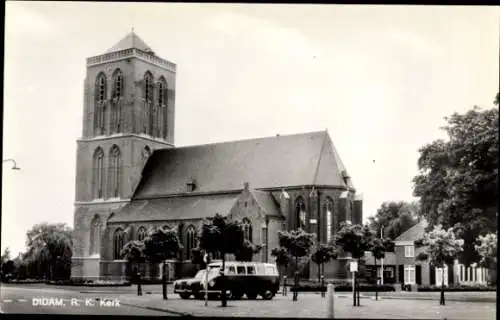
x=479, y=296
x=313, y=306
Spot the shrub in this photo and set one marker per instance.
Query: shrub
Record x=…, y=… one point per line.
x=456, y=288
x=89, y=283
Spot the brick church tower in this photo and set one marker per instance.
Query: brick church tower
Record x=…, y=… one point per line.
x=129, y=111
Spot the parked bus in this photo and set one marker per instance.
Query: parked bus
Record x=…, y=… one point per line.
x=250, y=279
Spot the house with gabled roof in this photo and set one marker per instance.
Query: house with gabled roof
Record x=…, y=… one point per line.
x=131, y=176
x=411, y=271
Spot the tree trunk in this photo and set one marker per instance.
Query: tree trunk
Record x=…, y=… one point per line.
x=442, y=302
x=296, y=279
x=223, y=282
x=376, y=280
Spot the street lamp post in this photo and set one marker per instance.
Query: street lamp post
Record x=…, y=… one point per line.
x=14, y=166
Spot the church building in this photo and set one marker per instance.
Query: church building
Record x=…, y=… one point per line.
x=131, y=177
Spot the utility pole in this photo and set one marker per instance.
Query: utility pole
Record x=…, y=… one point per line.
x=382, y=261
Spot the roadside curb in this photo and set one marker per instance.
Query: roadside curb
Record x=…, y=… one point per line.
x=157, y=309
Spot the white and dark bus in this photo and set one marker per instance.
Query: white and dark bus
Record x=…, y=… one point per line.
x=250, y=279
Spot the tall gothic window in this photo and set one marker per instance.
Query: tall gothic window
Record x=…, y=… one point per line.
x=114, y=172
x=117, y=84
x=329, y=219
x=100, y=103
x=148, y=96
x=300, y=213
x=116, y=105
x=141, y=233
x=95, y=236
x=190, y=242
x=98, y=174
x=247, y=229
x=118, y=237
x=161, y=99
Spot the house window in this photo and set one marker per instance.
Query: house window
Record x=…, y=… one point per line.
x=409, y=251
x=247, y=229
x=117, y=243
x=141, y=234
x=439, y=276
x=409, y=275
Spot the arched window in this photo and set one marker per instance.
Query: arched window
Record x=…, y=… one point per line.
x=148, y=87
x=95, y=236
x=114, y=172
x=98, y=174
x=148, y=97
x=329, y=219
x=247, y=229
x=117, y=84
x=160, y=111
x=141, y=233
x=190, y=242
x=100, y=105
x=300, y=213
x=116, y=105
x=117, y=243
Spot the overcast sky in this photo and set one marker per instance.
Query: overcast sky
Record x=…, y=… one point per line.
x=379, y=78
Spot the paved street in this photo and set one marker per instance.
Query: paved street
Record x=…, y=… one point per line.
x=313, y=306
x=17, y=299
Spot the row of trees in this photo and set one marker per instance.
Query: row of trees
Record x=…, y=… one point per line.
x=48, y=254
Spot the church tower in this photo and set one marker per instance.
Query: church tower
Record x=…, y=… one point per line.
x=128, y=111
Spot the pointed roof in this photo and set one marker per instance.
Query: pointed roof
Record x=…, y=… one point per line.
x=130, y=41
x=266, y=202
x=271, y=162
x=414, y=233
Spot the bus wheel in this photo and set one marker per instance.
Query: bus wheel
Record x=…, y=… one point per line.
x=267, y=295
x=236, y=295
x=251, y=295
x=184, y=295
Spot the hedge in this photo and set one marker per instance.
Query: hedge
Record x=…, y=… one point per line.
x=457, y=288
x=89, y=283
x=25, y=281
x=340, y=286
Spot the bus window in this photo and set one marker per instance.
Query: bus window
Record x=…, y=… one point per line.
x=250, y=269
x=259, y=268
x=230, y=270
x=270, y=270
x=240, y=270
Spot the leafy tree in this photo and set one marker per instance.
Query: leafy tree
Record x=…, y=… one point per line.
x=487, y=250
x=5, y=255
x=160, y=244
x=282, y=259
x=297, y=243
x=457, y=183
x=323, y=254
x=50, y=250
x=395, y=218
x=354, y=239
x=221, y=234
x=247, y=251
x=443, y=249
